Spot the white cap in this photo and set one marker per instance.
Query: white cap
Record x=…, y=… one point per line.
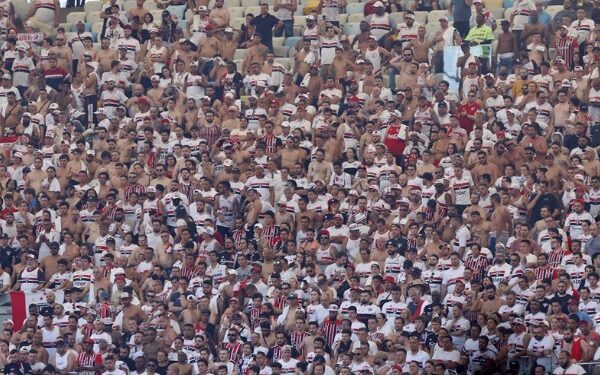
x=228, y=30
x=378, y=4
x=228, y=162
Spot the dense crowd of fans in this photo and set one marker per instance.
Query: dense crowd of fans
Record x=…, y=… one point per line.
x=186, y=213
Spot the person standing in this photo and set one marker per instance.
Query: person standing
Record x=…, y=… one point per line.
x=285, y=12
x=461, y=11
x=264, y=23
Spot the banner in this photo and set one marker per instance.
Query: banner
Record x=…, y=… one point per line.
x=451, y=55
x=20, y=302
x=30, y=37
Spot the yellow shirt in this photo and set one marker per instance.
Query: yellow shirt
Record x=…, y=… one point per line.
x=480, y=34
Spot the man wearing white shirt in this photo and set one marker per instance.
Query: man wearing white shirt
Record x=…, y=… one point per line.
x=540, y=348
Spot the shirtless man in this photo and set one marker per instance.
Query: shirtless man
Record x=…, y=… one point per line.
x=138, y=12
x=63, y=53
x=75, y=165
x=340, y=66
x=303, y=59
x=289, y=88
x=365, y=73
x=363, y=38
x=290, y=154
x=219, y=16
x=208, y=47
x=105, y=56
x=561, y=71
x=535, y=27
x=181, y=367
x=37, y=175
x=421, y=46
x=319, y=169
x=500, y=220
x=255, y=53
x=155, y=93
x=11, y=116
x=184, y=53
x=408, y=76
x=229, y=43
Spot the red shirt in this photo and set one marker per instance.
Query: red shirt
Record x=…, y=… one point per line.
x=393, y=143
x=369, y=8
x=469, y=109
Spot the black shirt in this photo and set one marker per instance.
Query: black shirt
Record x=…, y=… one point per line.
x=7, y=256
x=563, y=300
x=20, y=368
x=264, y=27
x=545, y=200
x=544, y=304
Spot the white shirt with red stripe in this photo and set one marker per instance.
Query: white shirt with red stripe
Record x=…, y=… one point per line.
x=451, y=276
x=111, y=100
x=522, y=9
x=462, y=189
x=574, y=222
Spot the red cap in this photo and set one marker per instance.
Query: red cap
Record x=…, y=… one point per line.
x=354, y=99
x=389, y=279
x=88, y=341
x=324, y=232
x=143, y=100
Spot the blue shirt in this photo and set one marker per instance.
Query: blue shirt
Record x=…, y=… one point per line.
x=545, y=18
x=461, y=11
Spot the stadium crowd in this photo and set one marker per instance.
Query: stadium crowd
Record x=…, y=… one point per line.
x=346, y=210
